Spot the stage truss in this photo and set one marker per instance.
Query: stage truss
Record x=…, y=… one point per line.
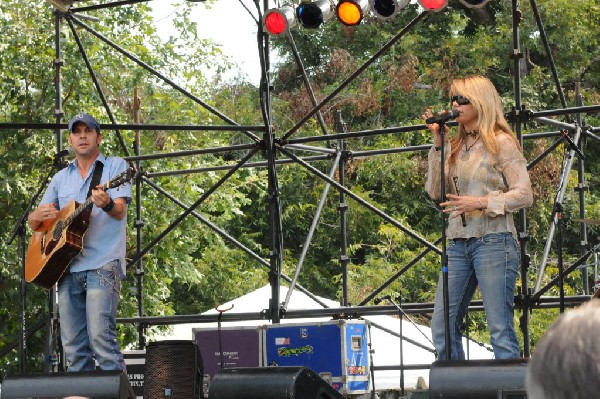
x=262, y=139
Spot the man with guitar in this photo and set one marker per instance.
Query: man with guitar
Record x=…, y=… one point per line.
x=92, y=254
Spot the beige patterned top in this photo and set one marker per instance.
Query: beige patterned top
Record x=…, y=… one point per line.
x=502, y=178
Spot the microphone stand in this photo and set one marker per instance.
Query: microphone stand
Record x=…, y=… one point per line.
x=400, y=314
x=559, y=253
x=442, y=132
x=221, y=311
x=20, y=231
x=371, y=365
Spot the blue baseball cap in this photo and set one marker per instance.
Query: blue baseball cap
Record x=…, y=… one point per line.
x=85, y=118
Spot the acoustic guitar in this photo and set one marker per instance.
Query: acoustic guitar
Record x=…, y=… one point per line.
x=56, y=242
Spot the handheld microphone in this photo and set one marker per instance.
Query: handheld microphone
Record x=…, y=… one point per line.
x=377, y=300
x=442, y=117
x=462, y=215
x=61, y=154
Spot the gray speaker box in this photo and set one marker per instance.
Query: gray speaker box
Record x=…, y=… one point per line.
x=478, y=379
x=270, y=383
x=90, y=384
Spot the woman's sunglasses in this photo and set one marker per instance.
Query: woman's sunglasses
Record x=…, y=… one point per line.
x=460, y=100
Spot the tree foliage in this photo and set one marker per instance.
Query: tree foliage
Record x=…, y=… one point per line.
x=414, y=73
x=191, y=253
x=197, y=265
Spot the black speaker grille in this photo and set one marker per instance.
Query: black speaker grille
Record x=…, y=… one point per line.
x=270, y=383
x=173, y=370
x=92, y=384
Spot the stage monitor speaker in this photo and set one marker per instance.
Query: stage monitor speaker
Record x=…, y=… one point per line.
x=89, y=384
x=173, y=370
x=477, y=379
x=270, y=383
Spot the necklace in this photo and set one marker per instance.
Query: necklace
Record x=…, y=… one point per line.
x=472, y=133
x=467, y=154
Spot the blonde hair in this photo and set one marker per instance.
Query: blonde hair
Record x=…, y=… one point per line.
x=486, y=101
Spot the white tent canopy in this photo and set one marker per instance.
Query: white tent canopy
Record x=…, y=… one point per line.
x=386, y=346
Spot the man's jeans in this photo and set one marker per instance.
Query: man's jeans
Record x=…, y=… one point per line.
x=491, y=261
x=88, y=304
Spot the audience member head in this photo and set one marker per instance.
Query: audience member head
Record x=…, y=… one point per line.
x=566, y=361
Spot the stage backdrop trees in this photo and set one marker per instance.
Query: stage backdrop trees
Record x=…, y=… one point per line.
x=193, y=269
x=412, y=75
x=27, y=90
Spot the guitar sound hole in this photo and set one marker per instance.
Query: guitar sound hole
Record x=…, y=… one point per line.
x=58, y=229
x=51, y=245
x=43, y=242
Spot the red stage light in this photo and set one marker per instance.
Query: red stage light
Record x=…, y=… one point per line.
x=433, y=5
x=277, y=21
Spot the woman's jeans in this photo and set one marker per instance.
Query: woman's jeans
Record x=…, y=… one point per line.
x=492, y=262
x=88, y=304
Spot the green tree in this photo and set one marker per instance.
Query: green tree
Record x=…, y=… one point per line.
x=414, y=73
x=193, y=268
x=28, y=94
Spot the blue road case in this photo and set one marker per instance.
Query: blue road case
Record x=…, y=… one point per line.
x=336, y=350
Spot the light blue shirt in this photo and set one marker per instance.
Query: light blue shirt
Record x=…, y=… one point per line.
x=105, y=238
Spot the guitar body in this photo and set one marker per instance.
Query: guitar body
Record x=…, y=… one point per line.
x=54, y=244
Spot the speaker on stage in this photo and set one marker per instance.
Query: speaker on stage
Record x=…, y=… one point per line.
x=173, y=369
x=478, y=379
x=90, y=384
x=270, y=383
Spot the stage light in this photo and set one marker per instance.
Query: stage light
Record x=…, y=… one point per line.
x=312, y=14
x=61, y=5
x=387, y=9
x=351, y=12
x=474, y=3
x=277, y=21
x=433, y=5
